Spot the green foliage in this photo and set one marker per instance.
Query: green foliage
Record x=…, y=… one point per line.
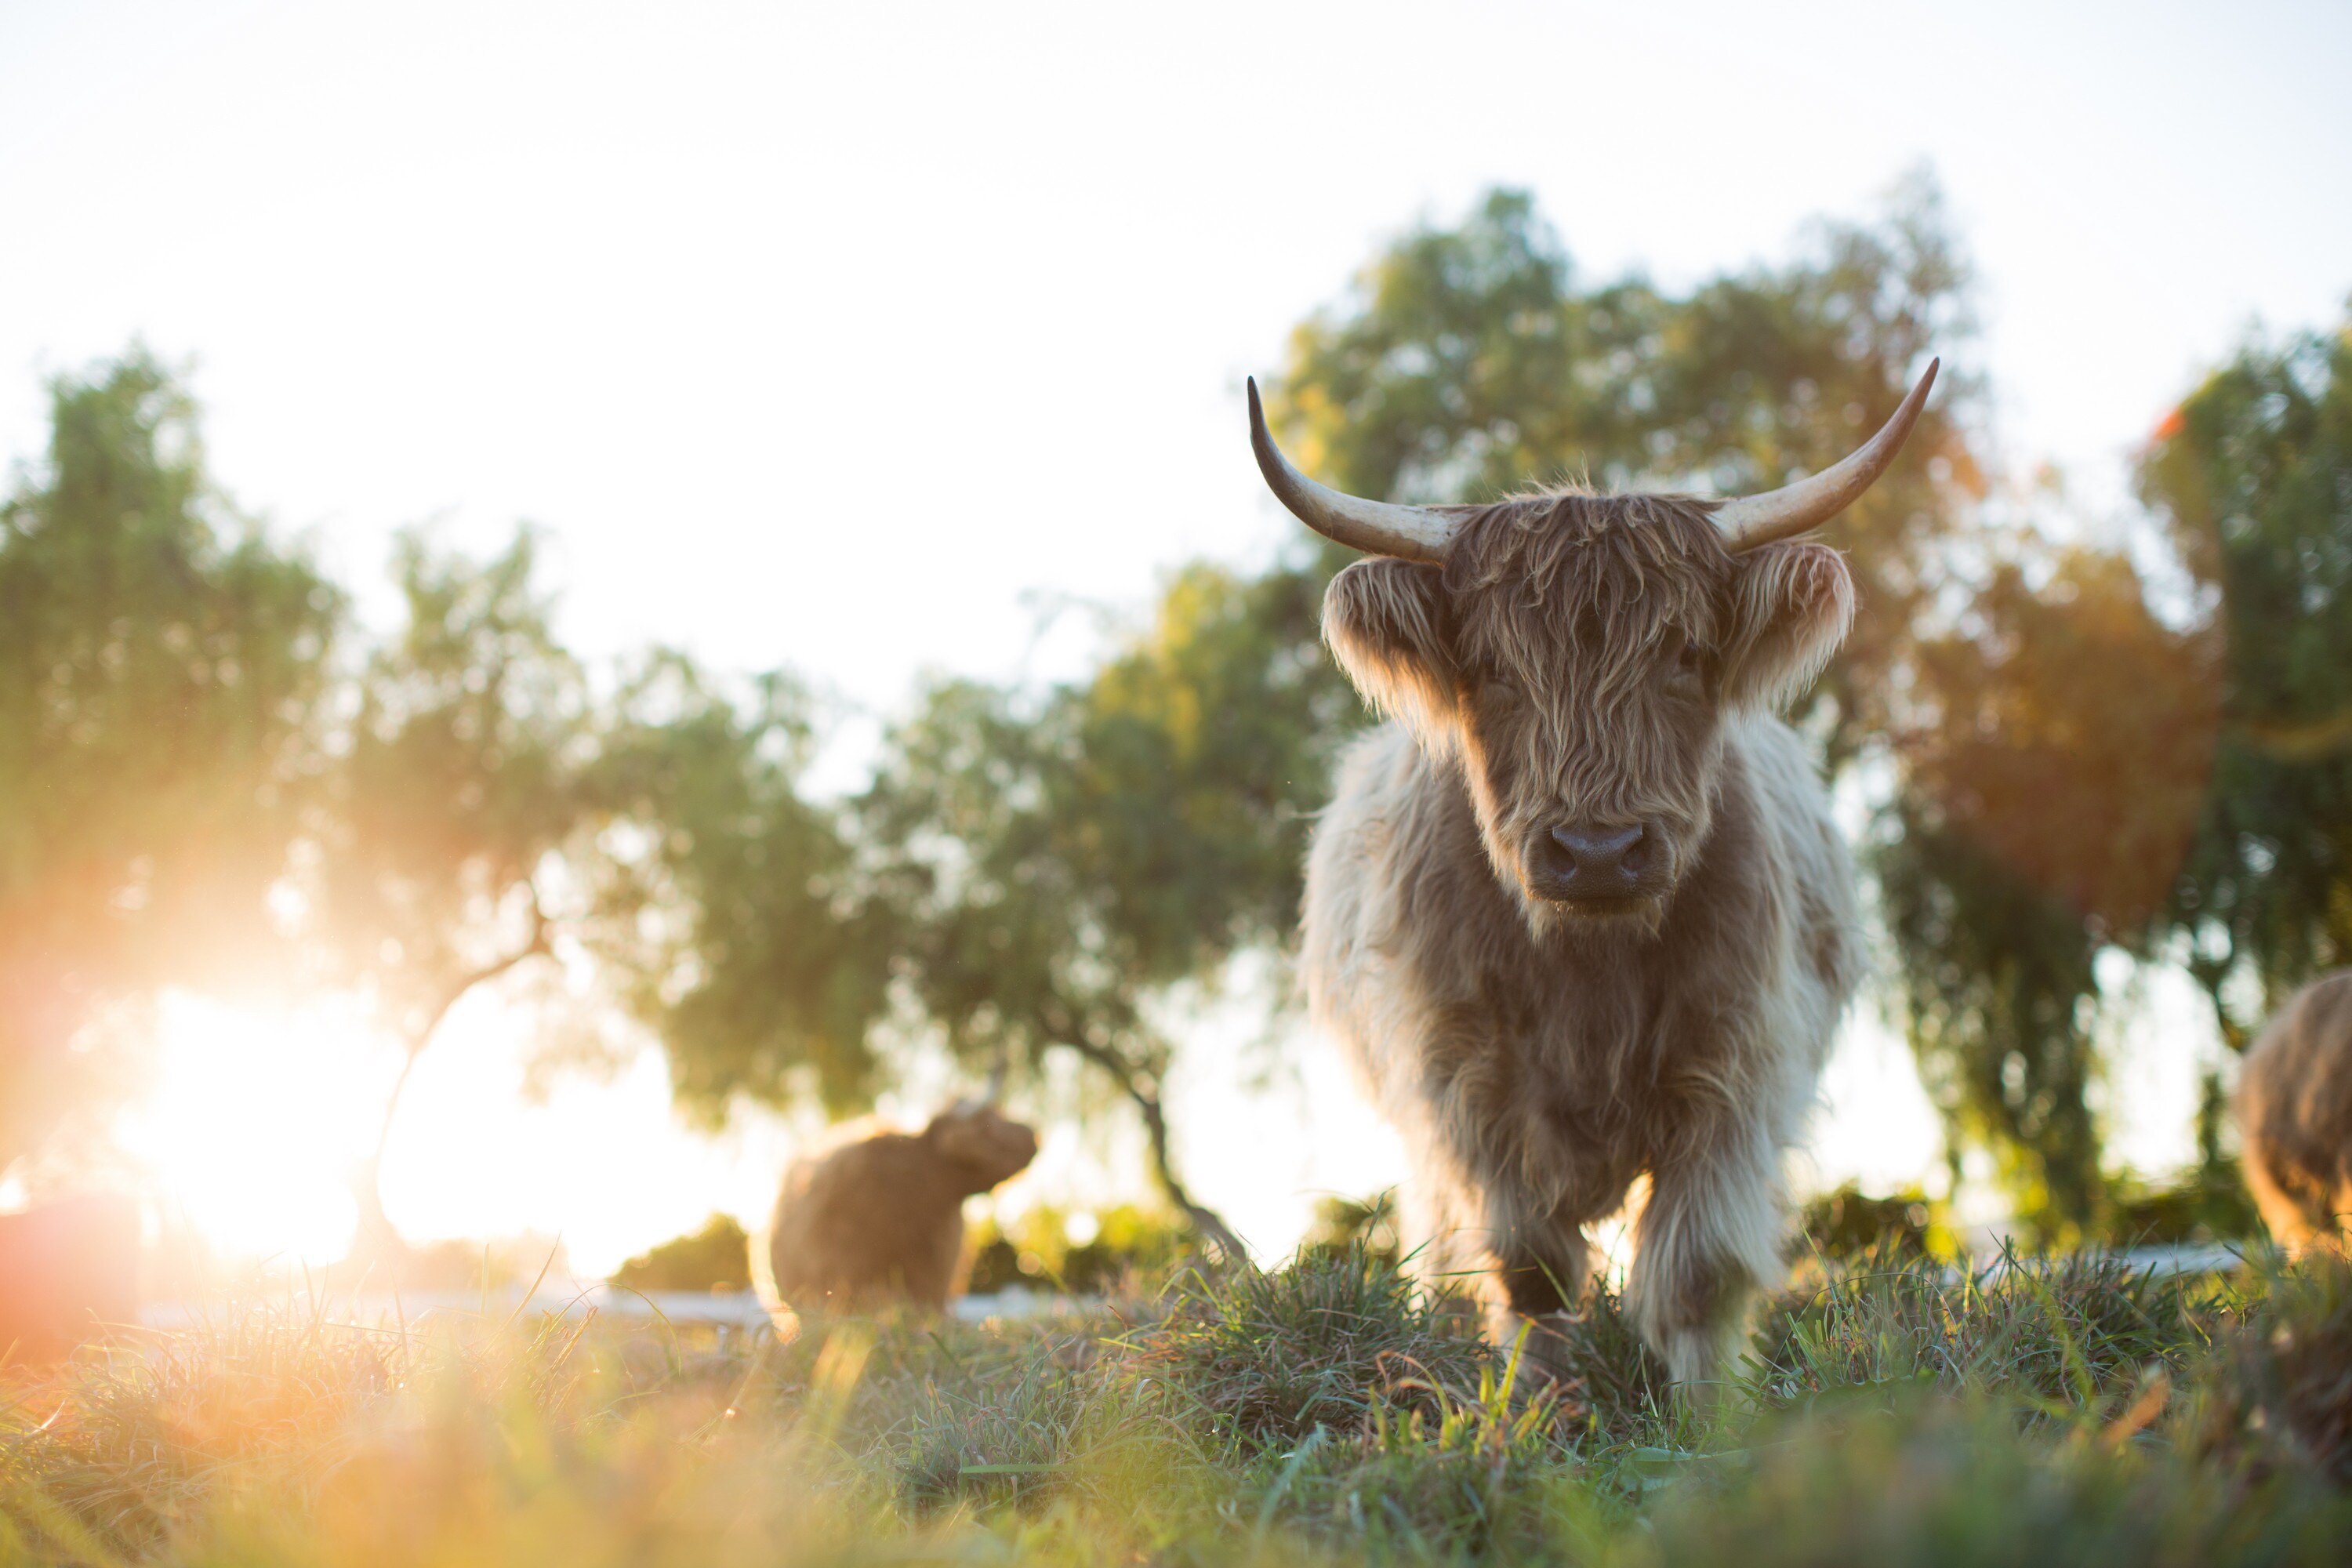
x=2210, y=1203
x=1062, y=860
x=716, y=1257
x=161, y=664
x=2254, y=475
x=2000, y=985
x=1128, y=1245
x=728, y=899
x=2055, y=748
x=2081, y=771
x=1051, y=863
x=461, y=776
x=1847, y=1223
x=1344, y=1223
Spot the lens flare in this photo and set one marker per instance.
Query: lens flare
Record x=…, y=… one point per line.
x=256, y=1124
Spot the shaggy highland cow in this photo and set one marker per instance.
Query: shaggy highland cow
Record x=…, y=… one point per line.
x=1578, y=912
x=2294, y=1109
x=879, y=1216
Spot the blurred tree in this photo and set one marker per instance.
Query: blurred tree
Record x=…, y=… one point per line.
x=725, y=900
x=2254, y=475
x=2054, y=749
x=1026, y=873
x=161, y=666
x=1054, y=867
x=461, y=779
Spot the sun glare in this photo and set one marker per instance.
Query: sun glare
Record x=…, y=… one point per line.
x=256, y=1124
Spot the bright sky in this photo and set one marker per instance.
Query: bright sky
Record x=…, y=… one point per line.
x=826, y=335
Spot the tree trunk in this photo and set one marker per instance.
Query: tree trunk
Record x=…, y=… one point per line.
x=374, y=1228
x=1136, y=1082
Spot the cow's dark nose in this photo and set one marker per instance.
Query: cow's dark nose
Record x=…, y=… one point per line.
x=1586, y=861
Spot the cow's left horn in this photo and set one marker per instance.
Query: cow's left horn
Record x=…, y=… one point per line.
x=1751, y=520
x=1382, y=528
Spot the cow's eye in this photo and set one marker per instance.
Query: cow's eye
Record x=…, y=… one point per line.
x=1685, y=666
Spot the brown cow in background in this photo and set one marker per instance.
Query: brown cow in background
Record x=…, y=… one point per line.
x=879, y=1215
x=2294, y=1109
x=69, y=1273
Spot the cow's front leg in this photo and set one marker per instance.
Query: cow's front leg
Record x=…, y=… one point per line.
x=1539, y=1272
x=1708, y=1238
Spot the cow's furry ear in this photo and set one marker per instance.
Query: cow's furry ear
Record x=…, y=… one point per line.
x=1791, y=605
x=1385, y=622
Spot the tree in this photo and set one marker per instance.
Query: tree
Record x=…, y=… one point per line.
x=459, y=782
x=2081, y=773
x=729, y=902
x=2252, y=474
x=161, y=666
x=2054, y=751
x=1053, y=867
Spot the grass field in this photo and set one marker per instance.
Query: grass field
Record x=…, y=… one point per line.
x=1892, y=1410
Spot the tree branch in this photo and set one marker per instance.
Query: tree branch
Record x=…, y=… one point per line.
x=1205, y=1220
x=422, y=1035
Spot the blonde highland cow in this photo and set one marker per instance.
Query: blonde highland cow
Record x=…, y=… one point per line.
x=1578, y=912
x=2294, y=1110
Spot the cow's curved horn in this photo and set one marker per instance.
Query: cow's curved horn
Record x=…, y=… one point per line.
x=1751, y=520
x=1381, y=527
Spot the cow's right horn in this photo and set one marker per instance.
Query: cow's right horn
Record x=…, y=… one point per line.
x=1379, y=527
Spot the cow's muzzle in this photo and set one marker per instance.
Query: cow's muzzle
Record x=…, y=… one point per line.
x=1600, y=869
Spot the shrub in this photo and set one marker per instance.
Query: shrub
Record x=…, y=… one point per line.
x=716, y=1257
x=1846, y=1223
x=1130, y=1250
x=1341, y=1222
x=1270, y=1356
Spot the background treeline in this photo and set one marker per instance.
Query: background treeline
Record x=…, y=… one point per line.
x=212, y=775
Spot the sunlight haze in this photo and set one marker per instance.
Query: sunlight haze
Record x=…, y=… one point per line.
x=863, y=340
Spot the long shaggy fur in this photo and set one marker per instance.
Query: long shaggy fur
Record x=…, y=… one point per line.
x=879, y=1217
x=2294, y=1110
x=1598, y=659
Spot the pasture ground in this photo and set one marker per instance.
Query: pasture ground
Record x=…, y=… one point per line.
x=1891, y=1411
